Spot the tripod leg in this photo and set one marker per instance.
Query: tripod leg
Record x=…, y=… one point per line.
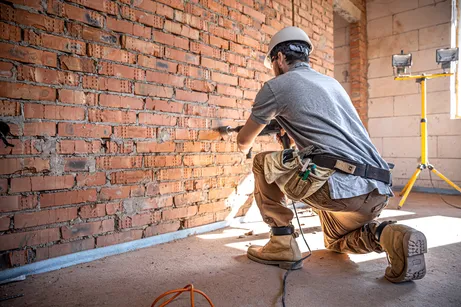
x=446, y=180
x=410, y=180
x=410, y=184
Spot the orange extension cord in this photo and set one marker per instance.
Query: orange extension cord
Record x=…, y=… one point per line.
x=188, y=288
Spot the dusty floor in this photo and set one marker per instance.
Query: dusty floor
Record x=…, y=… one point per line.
x=216, y=264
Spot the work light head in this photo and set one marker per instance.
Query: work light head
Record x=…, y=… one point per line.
x=446, y=56
x=402, y=63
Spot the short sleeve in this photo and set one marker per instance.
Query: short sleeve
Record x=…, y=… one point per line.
x=265, y=106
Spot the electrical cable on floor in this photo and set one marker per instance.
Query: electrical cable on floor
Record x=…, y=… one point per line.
x=440, y=195
x=297, y=262
x=188, y=288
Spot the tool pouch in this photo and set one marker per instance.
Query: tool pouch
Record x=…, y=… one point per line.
x=298, y=189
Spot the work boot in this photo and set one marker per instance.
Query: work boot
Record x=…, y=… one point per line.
x=405, y=248
x=281, y=250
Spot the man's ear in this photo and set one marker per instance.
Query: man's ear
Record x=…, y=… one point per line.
x=280, y=59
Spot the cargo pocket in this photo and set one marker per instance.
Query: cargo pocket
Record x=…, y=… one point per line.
x=298, y=189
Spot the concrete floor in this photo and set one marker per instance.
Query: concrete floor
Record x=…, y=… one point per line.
x=216, y=264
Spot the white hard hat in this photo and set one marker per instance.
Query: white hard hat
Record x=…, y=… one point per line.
x=285, y=35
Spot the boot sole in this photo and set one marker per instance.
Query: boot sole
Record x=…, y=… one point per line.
x=286, y=265
x=415, y=246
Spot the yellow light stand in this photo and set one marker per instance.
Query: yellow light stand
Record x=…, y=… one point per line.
x=422, y=79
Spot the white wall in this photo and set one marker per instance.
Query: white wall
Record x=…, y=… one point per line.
x=419, y=27
x=342, y=52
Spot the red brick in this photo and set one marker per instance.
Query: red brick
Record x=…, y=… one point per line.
x=162, y=161
x=191, y=96
x=6, y=70
x=253, y=13
x=44, y=217
x=178, y=213
x=28, y=238
x=142, y=17
x=77, y=64
x=189, y=122
x=193, y=21
x=182, y=56
x=42, y=111
x=10, y=166
x=164, y=105
x=77, y=97
x=51, y=182
x=212, y=207
x=3, y=186
x=164, y=78
x=110, y=116
x=192, y=147
x=170, y=40
x=112, y=54
x=152, y=189
x=200, y=110
x=223, y=101
x=5, y=222
x=199, y=220
x=188, y=198
x=121, y=71
x=157, y=119
x=9, y=32
x=117, y=101
x=177, y=4
x=219, y=42
x=153, y=90
x=119, y=162
x=118, y=237
x=17, y=202
x=36, y=165
x=134, y=132
x=36, y=4
x=91, y=179
x=28, y=55
x=173, y=174
x=157, y=64
x=229, y=91
x=229, y=159
x=120, y=147
x=185, y=134
x=124, y=177
x=209, y=135
x=78, y=146
x=75, y=13
x=198, y=160
x=207, y=172
x=142, y=46
x=244, y=50
x=161, y=228
x=26, y=91
x=192, y=71
x=106, y=6
x=40, y=128
x=113, y=208
x=222, y=78
x=106, y=84
x=64, y=249
x=87, y=229
x=124, y=26
x=91, y=211
x=56, y=42
x=96, y=35
x=66, y=198
x=84, y=130
x=44, y=75
x=33, y=20
x=216, y=65
x=170, y=187
x=200, y=85
x=115, y=193
x=76, y=164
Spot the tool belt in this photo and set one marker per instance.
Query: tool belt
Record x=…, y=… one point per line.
x=353, y=168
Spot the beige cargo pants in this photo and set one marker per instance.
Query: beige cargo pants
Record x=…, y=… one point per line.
x=344, y=221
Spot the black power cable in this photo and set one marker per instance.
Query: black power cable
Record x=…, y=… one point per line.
x=440, y=195
x=297, y=262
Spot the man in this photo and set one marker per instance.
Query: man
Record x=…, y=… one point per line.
x=315, y=110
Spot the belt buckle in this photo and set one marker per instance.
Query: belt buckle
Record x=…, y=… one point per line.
x=345, y=167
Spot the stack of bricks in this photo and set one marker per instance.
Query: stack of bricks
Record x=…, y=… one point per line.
x=112, y=105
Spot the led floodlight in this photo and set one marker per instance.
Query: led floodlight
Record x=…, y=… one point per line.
x=445, y=56
x=402, y=63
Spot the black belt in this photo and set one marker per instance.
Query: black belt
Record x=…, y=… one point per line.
x=353, y=168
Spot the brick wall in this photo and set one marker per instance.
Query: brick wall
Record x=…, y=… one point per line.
x=419, y=27
x=112, y=104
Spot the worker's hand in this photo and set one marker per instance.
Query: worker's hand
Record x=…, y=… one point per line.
x=282, y=133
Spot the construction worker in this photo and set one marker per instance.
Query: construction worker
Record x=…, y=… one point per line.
x=316, y=113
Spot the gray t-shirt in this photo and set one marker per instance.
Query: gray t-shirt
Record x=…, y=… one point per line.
x=314, y=109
